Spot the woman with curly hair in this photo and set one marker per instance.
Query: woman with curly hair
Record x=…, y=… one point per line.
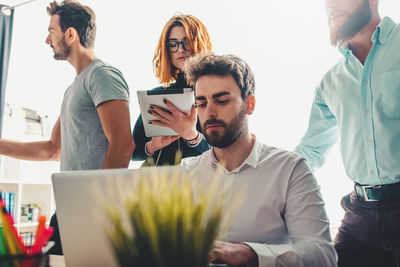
x=183, y=36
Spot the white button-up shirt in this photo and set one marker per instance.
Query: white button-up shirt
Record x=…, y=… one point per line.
x=283, y=217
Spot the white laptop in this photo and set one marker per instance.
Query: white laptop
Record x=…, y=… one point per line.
x=81, y=215
x=82, y=218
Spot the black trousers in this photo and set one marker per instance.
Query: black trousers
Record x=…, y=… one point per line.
x=56, y=249
x=369, y=234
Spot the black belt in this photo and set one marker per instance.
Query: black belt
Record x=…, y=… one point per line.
x=378, y=192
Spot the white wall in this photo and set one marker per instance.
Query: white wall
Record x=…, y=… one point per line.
x=285, y=42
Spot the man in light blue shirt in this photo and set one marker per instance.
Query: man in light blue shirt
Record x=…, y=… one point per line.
x=358, y=102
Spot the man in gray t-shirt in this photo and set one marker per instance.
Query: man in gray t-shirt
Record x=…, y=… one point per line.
x=81, y=129
x=93, y=130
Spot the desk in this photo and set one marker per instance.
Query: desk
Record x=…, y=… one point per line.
x=57, y=261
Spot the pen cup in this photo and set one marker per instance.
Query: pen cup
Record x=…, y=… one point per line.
x=24, y=260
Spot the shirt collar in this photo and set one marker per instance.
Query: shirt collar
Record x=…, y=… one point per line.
x=383, y=30
x=382, y=33
x=346, y=52
x=252, y=160
x=255, y=154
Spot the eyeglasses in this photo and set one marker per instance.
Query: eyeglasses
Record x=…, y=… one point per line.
x=173, y=46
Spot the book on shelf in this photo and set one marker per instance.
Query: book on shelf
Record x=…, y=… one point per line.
x=27, y=237
x=9, y=202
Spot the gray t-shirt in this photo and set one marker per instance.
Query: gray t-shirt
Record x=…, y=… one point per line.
x=83, y=142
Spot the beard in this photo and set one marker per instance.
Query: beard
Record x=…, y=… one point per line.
x=64, y=50
x=232, y=132
x=354, y=23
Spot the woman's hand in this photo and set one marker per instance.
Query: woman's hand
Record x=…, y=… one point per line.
x=159, y=142
x=182, y=123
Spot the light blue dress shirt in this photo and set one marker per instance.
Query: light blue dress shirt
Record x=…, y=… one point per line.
x=360, y=105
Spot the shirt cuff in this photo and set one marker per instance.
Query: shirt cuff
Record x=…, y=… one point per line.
x=265, y=257
x=270, y=255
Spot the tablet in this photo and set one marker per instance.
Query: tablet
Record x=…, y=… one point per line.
x=182, y=98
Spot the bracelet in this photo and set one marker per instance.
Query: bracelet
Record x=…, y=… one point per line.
x=147, y=153
x=196, y=141
x=191, y=140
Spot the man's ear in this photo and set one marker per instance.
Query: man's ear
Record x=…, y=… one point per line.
x=374, y=5
x=71, y=35
x=251, y=104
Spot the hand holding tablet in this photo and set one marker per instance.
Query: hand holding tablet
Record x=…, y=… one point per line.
x=168, y=112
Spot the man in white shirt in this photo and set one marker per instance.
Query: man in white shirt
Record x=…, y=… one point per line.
x=282, y=221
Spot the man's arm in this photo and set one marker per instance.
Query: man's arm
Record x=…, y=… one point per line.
x=41, y=151
x=114, y=117
x=321, y=135
x=307, y=225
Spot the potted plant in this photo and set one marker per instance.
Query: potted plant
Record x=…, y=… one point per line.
x=167, y=221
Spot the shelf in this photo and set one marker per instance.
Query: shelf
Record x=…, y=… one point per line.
x=24, y=171
x=9, y=181
x=39, y=182
x=26, y=224
x=29, y=224
x=28, y=192
x=24, y=182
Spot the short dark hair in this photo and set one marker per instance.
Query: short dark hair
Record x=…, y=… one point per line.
x=74, y=14
x=211, y=64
